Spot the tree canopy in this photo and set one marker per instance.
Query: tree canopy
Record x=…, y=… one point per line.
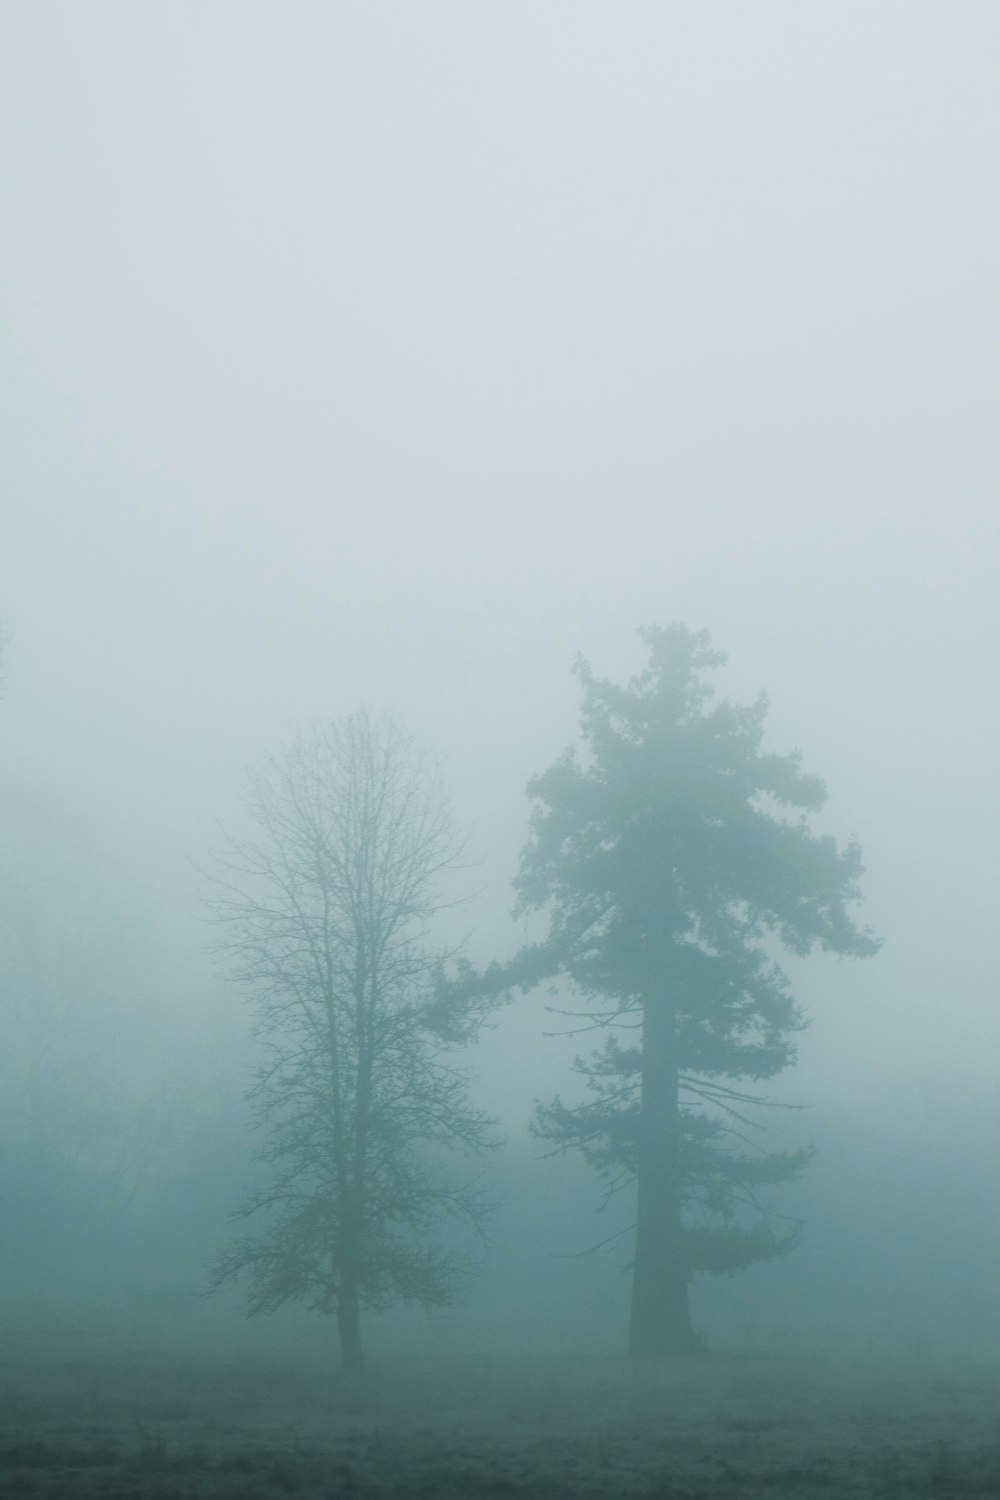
x=325, y=916
x=674, y=859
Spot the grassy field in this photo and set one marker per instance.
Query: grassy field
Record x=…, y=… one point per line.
x=85, y=1416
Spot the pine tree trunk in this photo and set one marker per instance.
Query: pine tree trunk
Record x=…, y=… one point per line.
x=352, y=1356
x=660, y=1322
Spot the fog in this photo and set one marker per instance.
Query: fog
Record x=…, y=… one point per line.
x=395, y=355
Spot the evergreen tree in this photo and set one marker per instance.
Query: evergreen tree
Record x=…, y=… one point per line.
x=674, y=860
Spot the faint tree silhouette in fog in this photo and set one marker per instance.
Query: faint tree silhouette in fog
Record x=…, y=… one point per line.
x=325, y=915
x=80, y=1048
x=671, y=861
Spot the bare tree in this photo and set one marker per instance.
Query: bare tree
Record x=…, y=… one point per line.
x=325, y=915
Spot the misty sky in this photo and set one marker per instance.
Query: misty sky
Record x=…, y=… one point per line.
x=399, y=352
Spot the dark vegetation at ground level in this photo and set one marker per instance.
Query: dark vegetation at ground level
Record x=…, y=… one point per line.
x=82, y=1417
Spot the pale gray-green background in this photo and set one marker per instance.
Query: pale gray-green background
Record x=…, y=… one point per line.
x=398, y=352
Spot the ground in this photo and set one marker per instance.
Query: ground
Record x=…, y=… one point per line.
x=83, y=1415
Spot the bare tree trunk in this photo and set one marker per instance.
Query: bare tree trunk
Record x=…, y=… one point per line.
x=660, y=1322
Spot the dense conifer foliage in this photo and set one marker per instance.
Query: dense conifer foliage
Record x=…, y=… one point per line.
x=674, y=858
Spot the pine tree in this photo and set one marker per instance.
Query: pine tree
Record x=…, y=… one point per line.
x=674, y=860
